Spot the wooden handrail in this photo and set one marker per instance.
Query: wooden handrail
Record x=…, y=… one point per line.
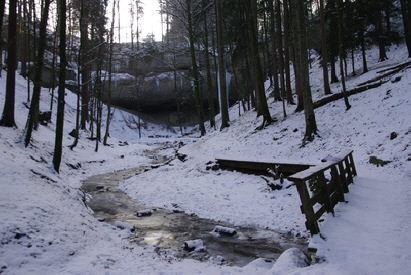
x=326, y=192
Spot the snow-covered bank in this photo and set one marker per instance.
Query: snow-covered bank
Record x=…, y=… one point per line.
x=45, y=226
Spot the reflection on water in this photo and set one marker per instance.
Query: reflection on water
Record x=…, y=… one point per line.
x=169, y=230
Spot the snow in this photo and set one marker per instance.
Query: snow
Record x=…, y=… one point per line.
x=45, y=226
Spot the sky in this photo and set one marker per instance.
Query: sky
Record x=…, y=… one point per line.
x=150, y=22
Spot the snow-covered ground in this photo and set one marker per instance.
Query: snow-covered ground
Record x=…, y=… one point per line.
x=45, y=226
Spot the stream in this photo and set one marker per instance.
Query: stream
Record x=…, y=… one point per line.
x=168, y=230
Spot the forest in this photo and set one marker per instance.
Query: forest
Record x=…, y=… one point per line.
x=79, y=34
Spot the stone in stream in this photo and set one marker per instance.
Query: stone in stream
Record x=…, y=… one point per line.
x=223, y=231
x=194, y=246
x=124, y=225
x=144, y=213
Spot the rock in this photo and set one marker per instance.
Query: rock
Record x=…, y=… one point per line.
x=144, y=213
x=379, y=162
x=181, y=157
x=211, y=165
x=393, y=135
x=44, y=117
x=125, y=143
x=194, y=246
x=225, y=231
x=290, y=260
x=124, y=225
x=218, y=260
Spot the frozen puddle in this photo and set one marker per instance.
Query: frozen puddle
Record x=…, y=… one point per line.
x=170, y=230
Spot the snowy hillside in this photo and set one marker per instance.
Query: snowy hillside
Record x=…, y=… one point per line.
x=45, y=226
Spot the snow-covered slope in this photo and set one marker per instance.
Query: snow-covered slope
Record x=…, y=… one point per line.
x=45, y=226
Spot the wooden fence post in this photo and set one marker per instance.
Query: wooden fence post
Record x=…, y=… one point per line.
x=311, y=222
x=351, y=158
x=336, y=180
x=349, y=171
x=325, y=193
x=343, y=179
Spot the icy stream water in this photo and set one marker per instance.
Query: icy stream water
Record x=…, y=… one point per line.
x=169, y=230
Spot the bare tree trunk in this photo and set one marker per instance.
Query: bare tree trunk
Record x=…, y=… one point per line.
x=196, y=81
x=32, y=119
x=106, y=135
x=7, y=118
x=221, y=68
x=58, y=147
x=341, y=52
x=85, y=72
x=280, y=54
x=287, y=43
x=406, y=19
x=211, y=108
x=297, y=8
x=2, y=8
x=274, y=46
x=381, y=44
x=324, y=51
x=262, y=106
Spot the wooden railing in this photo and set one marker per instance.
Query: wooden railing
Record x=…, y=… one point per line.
x=316, y=187
x=259, y=167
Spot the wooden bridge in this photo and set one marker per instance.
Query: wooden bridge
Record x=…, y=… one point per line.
x=324, y=184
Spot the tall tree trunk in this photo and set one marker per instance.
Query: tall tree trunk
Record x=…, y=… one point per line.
x=23, y=35
x=406, y=19
x=110, y=60
x=32, y=119
x=297, y=8
x=267, y=57
x=274, y=46
x=324, y=51
x=287, y=43
x=58, y=146
x=2, y=8
x=341, y=51
x=211, y=109
x=262, y=106
x=380, y=34
x=7, y=118
x=85, y=67
x=333, y=39
x=280, y=54
x=221, y=68
x=196, y=81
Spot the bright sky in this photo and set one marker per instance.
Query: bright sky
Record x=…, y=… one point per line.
x=150, y=23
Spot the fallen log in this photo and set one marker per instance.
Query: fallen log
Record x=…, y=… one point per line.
x=325, y=100
x=392, y=70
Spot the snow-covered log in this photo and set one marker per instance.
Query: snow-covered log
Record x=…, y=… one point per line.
x=124, y=225
x=226, y=231
x=194, y=246
x=143, y=213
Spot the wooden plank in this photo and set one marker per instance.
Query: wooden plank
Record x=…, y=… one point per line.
x=325, y=192
x=251, y=166
x=311, y=222
x=306, y=174
x=349, y=172
x=343, y=179
x=320, y=212
x=352, y=165
x=335, y=178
